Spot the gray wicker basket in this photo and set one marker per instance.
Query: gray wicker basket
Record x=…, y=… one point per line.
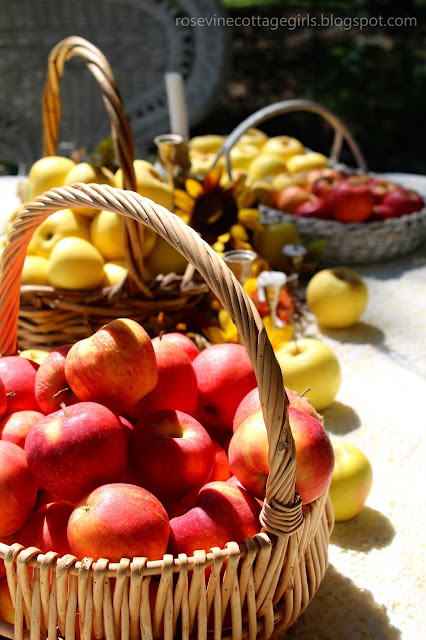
x=346, y=243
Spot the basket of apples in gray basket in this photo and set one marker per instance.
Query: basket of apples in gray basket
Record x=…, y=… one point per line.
x=360, y=216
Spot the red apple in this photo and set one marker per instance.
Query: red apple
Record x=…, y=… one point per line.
x=351, y=202
x=379, y=187
x=15, y=426
x=221, y=464
x=251, y=404
x=357, y=179
x=248, y=455
x=326, y=172
x=18, y=489
x=5, y=540
x=324, y=187
x=318, y=208
x=74, y=450
x=176, y=388
x=402, y=201
x=224, y=376
x=44, y=497
x=46, y=528
x=223, y=512
x=18, y=377
x=7, y=610
x=182, y=341
x=291, y=197
x=115, y=366
x=3, y=399
x=170, y=454
x=119, y=521
x=383, y=212
x=51, y=386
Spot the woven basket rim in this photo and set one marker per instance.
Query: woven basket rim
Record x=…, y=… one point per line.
x=335, y=228
x=154, y=567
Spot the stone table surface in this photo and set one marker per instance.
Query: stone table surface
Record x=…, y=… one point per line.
x=374, y=587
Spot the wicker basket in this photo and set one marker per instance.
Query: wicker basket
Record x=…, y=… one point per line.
x=264, y=583
x=346, y=243
x=50, y=317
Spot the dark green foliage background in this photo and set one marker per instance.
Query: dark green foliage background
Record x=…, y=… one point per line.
x=374, y=79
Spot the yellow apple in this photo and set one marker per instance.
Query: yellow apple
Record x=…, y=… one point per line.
x=263, y=192
x=283, y=146
x=34, y=270
x=165, y=259
x=106, y=234
x=46, y=173
x=236, y=174
x=200, y=162
x=114, y=273
x=265, y=165
x=241, y=155
x=307, y=162
x=36, y=355
x=57, y=226
x=254, y=136
x=283, y=180
x=309, y=362
x=209, y=143
x=149, y=183
x=75, y=264
x=351, y=481
x=87, y=173
x=337, y=297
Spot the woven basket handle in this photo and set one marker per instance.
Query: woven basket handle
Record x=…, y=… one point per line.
x=120, y=130
x=282, y=511
x=341, y=132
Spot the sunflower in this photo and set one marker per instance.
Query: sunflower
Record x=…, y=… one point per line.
x=212, y=206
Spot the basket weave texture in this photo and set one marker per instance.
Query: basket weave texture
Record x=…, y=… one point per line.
x=263, y=583
x=50, y=317
x=358, y=243
x=346, y=243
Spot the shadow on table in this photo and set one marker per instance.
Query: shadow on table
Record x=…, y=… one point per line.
x=359, y=333
x=370, y=529
x=342, y=611
x=340, y=418
x=395, y=267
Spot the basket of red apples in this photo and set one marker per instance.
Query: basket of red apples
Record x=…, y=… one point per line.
x=149, y=490
x=362, y=217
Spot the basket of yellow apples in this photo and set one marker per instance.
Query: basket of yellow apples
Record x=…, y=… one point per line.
x=85, y=266
x=356, y=215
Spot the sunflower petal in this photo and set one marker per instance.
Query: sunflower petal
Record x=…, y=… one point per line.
x=212, y=179
x=183, y=200
x=194, y=188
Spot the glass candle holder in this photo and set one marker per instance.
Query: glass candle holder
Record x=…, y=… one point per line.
x=240, y=262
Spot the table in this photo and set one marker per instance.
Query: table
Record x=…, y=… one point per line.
x=374, y=587
x=375, y=584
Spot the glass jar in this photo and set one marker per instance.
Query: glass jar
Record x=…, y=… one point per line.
x=272, y=234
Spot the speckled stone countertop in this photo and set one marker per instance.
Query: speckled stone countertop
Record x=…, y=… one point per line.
x=375, y=585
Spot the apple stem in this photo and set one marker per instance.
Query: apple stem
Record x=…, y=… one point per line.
x=297, y=346
x=58, y=393
x=305, y=391
x=64, y=409
x=10, y=394
x=161, y=334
